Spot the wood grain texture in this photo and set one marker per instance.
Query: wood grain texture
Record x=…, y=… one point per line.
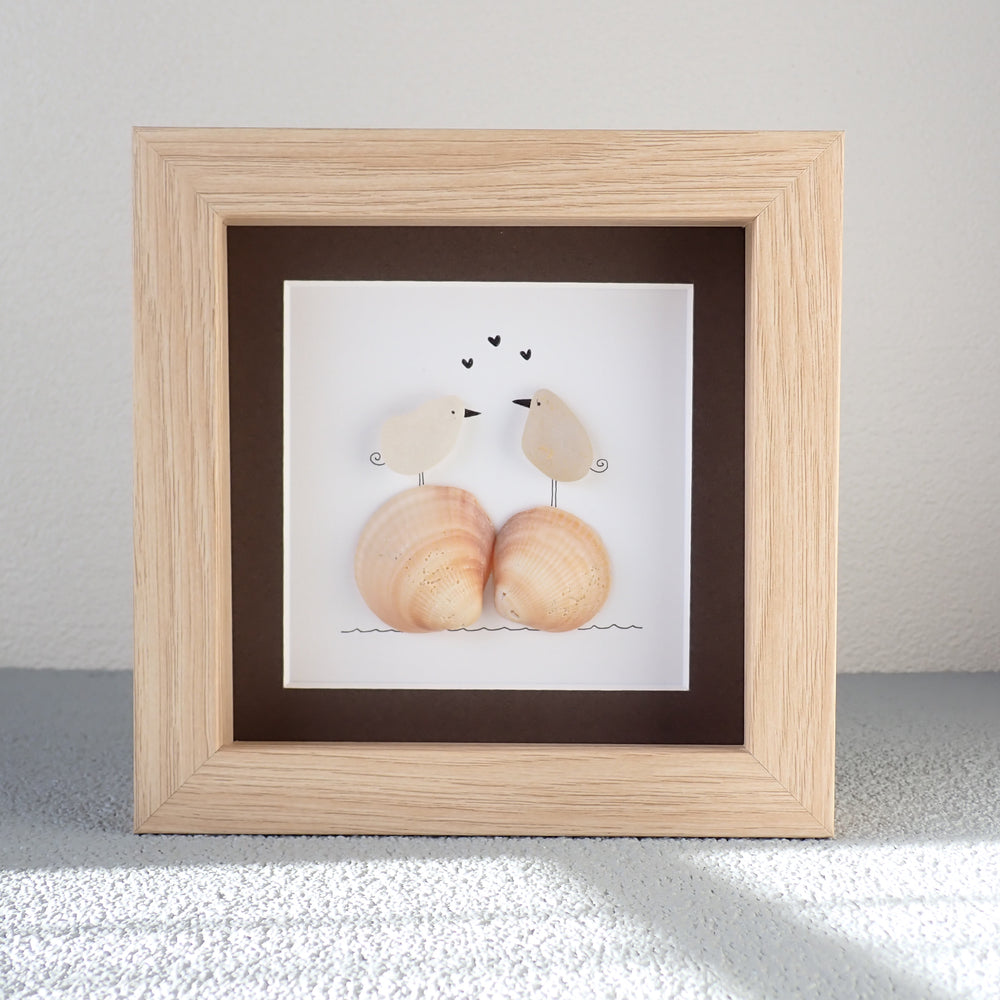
x=793, y=377
x=476, y=789
x=785, y=188
x=363, y=177
x=183, y=630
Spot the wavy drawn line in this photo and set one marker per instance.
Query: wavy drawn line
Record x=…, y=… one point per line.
x=487, y=628
x=498, y=628
x=624, y=628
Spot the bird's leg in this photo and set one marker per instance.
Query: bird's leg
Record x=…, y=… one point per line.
x=420, y=479
x=553, y=494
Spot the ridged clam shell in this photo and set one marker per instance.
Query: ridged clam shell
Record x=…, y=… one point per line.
x=550, y=570
x=423, y=559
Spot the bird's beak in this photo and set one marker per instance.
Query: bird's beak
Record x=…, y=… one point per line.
x=472, y=413
x=523, y=402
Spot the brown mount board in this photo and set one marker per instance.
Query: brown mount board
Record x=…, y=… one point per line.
x=261, y=258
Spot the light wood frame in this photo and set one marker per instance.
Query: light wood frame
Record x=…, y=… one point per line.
x=190, y=184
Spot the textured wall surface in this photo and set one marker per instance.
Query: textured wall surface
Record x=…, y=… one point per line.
x=915, y=85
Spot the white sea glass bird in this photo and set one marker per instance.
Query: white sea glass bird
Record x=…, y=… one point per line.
x=413, y=442
x=554, y=440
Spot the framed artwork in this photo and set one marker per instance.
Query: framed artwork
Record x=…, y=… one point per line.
x=486, y=481
x=621, y=352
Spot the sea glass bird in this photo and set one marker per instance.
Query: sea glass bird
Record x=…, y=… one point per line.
x=413, y=442
x=554, y=440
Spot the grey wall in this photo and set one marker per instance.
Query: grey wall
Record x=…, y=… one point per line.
x=915, y=84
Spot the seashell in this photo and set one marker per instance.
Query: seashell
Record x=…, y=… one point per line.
x=551, y=570
x=423, y=559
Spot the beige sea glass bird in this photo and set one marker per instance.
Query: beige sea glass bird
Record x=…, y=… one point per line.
x=413, y=442
x=554, y=440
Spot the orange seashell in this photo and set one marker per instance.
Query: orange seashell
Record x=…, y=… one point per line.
x=423, y=559
x=551, y=570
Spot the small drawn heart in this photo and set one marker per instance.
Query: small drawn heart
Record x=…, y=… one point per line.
x=468, y=364
x=495, y=341
x=526, y=354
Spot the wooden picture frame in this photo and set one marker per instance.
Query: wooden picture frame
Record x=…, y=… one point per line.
x=784, y=189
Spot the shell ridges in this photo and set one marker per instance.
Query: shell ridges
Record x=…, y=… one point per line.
x=551, y=570
x=423, y=559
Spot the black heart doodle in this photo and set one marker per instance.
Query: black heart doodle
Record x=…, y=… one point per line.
x=495, y=341
x=468, y=364
x=526, y=354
